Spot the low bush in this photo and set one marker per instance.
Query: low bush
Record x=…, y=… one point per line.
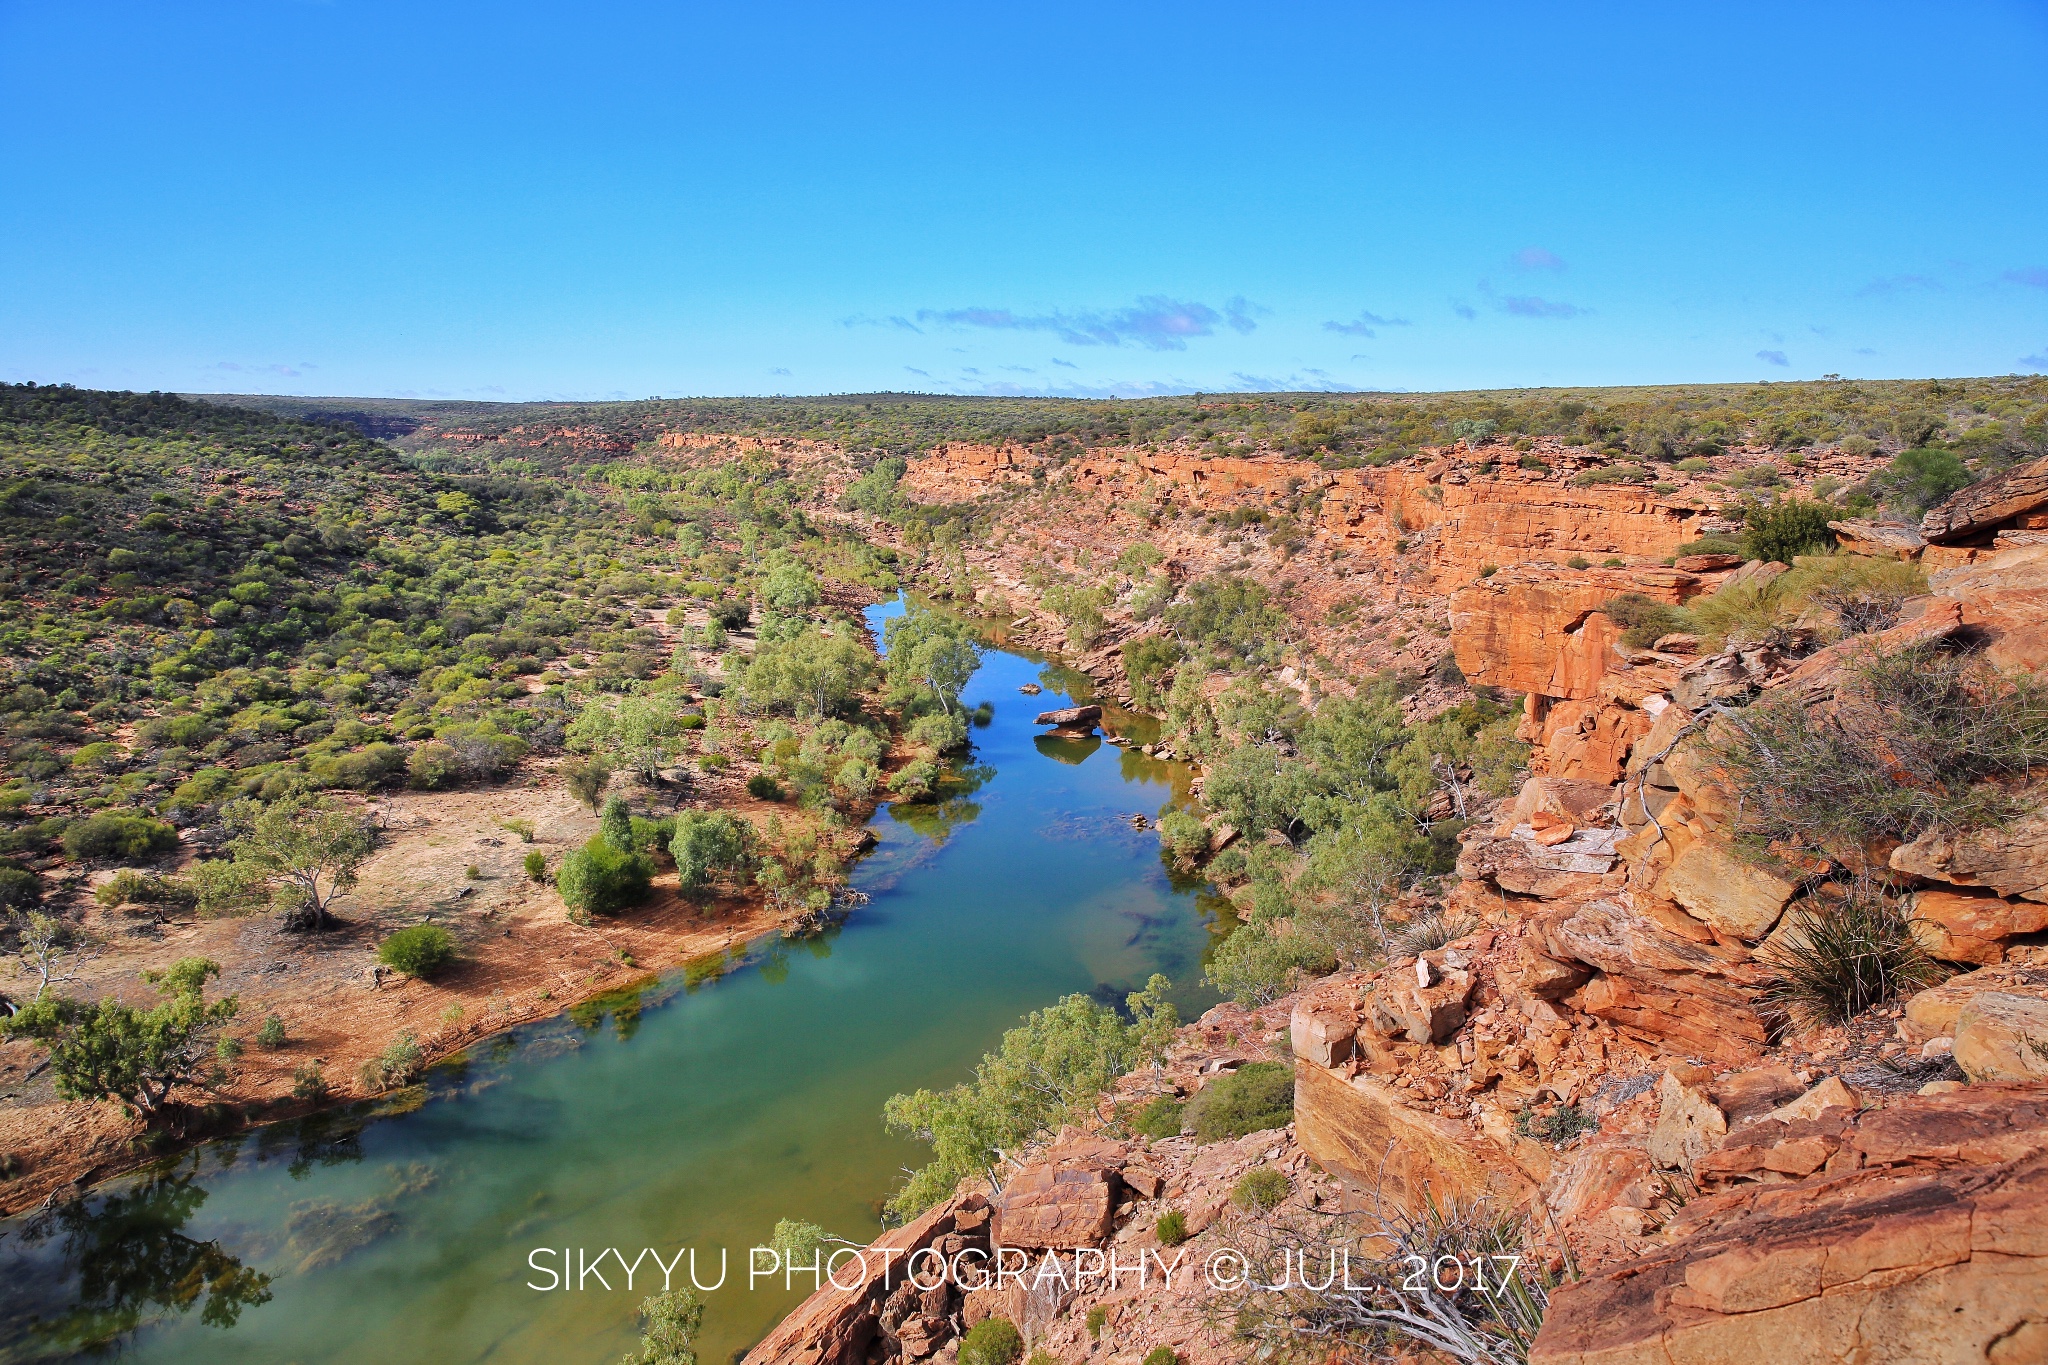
x=114, y=837
x=1260, y=1189
x=1161, y=1355
x=536, y=864
x=1644, y=620
x=1912, y=741
x=309, y=1082
x=1159, y=1117
x=1862, y=592
x=19, y=888
x=129, y=886
x=271, y=1034
x=992, y=1341
x=708, y=844
x=598, y=879
x=420, y=951
x=1917, y=479
x=1251, y=1099
x=1787, y=530
x=1837, y=960
x=1171, y=1228
x=398, y=1063
x=764, y=788
x=1426, y=933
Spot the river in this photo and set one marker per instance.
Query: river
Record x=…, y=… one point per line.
x=694, y=1112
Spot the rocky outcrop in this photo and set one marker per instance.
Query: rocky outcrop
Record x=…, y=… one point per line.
x=2004, y=603
x=1365, y=1129
x=1979, y=511
x=1539, y=629
x=873, y=1314
x=1072, y=720
x=2002, y=1037
x=1919, y=1233
x=2012, y=861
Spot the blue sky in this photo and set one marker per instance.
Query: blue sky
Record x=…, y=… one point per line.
x=523, y=200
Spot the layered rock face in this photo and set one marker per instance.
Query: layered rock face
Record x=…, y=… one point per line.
x=1914, y=1233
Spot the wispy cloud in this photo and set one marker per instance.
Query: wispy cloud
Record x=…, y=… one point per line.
x=1363, y=325
x=1155, y=322
x=778, y=370
x=1865, y=350
x=2036, y=362
x=923, y=374
x=1529, y=306
x=1773, y=358
x=1536, y=258
x=2034, y=277
x=1464, y=310
x=1316, y=381
x=1065, y=364
x=901, y=324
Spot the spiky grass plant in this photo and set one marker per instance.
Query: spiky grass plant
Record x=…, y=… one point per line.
x=1836, y=961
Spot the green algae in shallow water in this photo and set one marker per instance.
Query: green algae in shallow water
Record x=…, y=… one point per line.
x=714, y=1115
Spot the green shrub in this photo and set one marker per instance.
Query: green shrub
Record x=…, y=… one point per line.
x=1158, y=1118
x=1556, y=1125
x=615, y=824
x=271, y=1035
x=1162, y=1355
x=1739, y=613
x=419, y=951
x=309, y=1082
x=1863, y=592
x=1249, y=1100
x=130, y=886
x=1171, y=1228
x=916, y=780
x=1644, y=620
x=1578, y=562
x=1184, y=835
x=398, y=1063
x=536, y=864
x=1788, y=530
x=1917, y=479
x=597, y=879
x=1693, y=464
x=764, y=788
x=1260, y=1189
x=992, y=1341
x=707, y=843
x=371, y=766
x=113, y=837
x=434, y=765
x=1913, y=741
x=1836, y=960
x=1098, y=1318
x=19, y=888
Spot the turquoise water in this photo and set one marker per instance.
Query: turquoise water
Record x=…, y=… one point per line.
x=697, y=1114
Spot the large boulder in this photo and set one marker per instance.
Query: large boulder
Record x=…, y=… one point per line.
x=2004, y=600
x=1696, y=997
x=1076, y=720
x=1978, y=511
x=2012, y=861
x=1364, y=1130
x=1920, y=1239
x=2002, y=1037
x=1739, y=897
x=1958, y=927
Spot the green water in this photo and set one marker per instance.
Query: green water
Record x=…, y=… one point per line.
x=697, y=1114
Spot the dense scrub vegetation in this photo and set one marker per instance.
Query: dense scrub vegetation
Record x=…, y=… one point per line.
x=1984, y=424
x=209, y=612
